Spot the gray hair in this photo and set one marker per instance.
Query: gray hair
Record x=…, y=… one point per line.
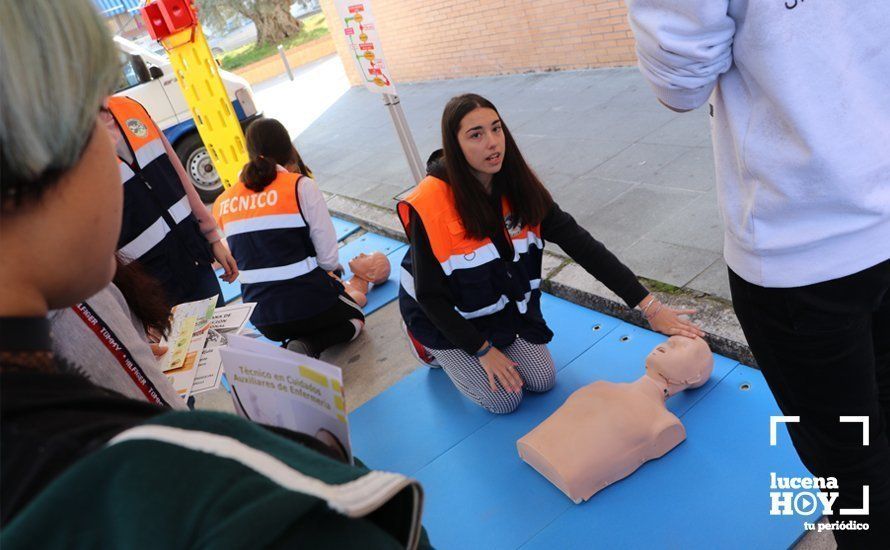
x=57, y=65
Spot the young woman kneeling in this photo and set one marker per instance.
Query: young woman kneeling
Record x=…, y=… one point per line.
x=280, y=232
x=470, y=293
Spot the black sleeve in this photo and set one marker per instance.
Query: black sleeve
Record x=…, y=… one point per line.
x=433, y=294
x=561, y=228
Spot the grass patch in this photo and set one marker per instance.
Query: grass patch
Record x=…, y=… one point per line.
x=314, y=26
x=658, y=286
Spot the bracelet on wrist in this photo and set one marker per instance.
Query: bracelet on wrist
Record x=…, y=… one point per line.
x=654, y=312
x=646, y=307
x=485, y=349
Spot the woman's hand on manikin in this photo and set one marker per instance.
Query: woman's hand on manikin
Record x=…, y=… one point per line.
x=668, y=320
x=499, y=366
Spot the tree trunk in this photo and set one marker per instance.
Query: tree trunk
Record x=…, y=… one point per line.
x=274, y=23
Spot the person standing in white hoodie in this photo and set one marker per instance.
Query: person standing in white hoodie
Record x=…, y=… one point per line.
x=799, y=97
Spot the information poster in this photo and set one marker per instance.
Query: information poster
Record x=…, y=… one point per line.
x=361, y=37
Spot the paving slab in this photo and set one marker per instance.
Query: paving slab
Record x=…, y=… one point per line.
x=686, y=263
x=634, y=214
x=713, y=280
x=640, y=162
x=693, y=170
x=696, y=225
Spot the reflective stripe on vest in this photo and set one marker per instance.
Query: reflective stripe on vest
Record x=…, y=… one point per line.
x=481, y=256
x=275, y=221
x=280, y=273
x=125, y=170
x=522, y=244
x=156, y=232
x=522, y=305
x=407, y=282
x=150, y=151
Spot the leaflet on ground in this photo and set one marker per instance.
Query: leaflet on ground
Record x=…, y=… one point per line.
x=277, y=387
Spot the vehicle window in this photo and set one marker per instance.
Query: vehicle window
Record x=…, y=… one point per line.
x=133, y=72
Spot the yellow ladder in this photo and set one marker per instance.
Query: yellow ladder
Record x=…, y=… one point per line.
x=204, y=91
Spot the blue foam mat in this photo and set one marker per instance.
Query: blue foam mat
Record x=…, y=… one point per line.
x=575, y=328
x=230, y=291
x=480, y=494
x=432, y=416
x=490, y=510
x=344, y=228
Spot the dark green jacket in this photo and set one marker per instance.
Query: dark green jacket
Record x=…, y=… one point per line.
x=211, y=480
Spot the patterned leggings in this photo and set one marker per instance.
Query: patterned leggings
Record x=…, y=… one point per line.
x=533, y=362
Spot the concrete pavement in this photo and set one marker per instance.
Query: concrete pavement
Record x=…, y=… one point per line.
x=638, y=176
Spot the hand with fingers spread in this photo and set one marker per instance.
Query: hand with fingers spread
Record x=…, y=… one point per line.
x=499, y=366
x=668, y=320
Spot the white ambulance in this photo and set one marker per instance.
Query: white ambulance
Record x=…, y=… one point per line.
x=149, y=79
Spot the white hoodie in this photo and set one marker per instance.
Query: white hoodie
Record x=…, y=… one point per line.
x=801, y=124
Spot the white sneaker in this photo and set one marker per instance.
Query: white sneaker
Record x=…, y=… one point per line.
x=418, y=351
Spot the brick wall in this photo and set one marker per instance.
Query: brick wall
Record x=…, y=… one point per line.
x=434, y=39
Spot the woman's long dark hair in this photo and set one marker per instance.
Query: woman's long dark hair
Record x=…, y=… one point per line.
x=145, y=296
x=268, y=144
x=529, y=199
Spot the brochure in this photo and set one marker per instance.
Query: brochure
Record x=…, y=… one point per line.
x=277, y=387
x=191, y=323
x=226, y=320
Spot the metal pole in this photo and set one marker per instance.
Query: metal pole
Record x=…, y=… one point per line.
x=290, y=73
x=393, y=104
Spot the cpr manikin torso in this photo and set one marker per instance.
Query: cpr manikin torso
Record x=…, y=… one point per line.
x=367, y=269
x=605, y=431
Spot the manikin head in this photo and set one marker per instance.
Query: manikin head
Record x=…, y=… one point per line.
x=372, y=267
x=681, y=363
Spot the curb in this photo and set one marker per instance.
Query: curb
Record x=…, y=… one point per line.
x=564, y=278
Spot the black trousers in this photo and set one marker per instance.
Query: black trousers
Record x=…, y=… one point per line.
x=322, y=331
x=824, y=350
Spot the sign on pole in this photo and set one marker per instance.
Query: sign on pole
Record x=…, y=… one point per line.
x=360, y=29
x=361, y=36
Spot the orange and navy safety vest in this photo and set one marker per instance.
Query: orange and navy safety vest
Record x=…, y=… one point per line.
x=159, y=229
x=481, y=282
x=269, y=238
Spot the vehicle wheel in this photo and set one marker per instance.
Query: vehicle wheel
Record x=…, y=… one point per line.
x=199, y=167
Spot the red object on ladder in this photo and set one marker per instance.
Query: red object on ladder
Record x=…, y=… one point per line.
x=167, y=17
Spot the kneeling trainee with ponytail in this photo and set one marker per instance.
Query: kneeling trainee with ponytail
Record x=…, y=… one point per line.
x=280, y=232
